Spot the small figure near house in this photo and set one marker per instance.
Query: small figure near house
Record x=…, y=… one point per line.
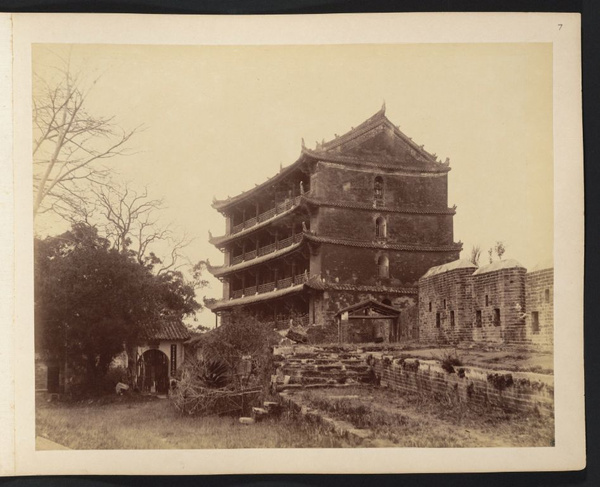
x=120, y=387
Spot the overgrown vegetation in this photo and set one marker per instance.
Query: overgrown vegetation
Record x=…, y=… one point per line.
x=418, y=420
x=233, y=369
x=91, y=299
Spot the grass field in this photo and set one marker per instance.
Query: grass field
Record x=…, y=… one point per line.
x=392, y=420
x=156, y=425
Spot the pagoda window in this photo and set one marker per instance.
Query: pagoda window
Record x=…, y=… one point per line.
x=383, y=265
x=378, y=190
x=380, y=227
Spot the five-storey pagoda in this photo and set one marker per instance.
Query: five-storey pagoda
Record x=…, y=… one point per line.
x=361, y=217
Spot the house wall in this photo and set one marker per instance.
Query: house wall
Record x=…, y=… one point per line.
x=365, y=330
x=165, y=347
x=511, y=291
x=539, y=291
x=505, y=291
x=445, y=293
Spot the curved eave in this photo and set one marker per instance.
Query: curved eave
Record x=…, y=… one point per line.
x=389, y=209
x=224, y=205
x=420, y=167
x=384, y=245
x=319, y=285
x=221, y=271
x=232, y=303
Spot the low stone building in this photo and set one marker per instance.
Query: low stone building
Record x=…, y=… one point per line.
x=497, y=303
x=539, y=294
x=446, y=302
x=159, y=355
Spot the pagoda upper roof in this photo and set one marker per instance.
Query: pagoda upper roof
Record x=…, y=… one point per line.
x=376, y=142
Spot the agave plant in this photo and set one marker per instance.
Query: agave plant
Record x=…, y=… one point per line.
x=214, y=373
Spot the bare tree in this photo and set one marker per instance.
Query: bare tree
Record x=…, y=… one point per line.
x=475, y=254
x=69, y=143
x=130, y=221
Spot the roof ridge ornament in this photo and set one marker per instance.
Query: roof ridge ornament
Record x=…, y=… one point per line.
x=383, y=108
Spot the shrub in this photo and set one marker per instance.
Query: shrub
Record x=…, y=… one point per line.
x=449, y=360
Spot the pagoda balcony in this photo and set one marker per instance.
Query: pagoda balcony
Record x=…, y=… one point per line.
x=267, y=249
x=268, y=287
x=267, y=215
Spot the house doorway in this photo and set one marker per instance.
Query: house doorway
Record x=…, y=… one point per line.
x=153, y=372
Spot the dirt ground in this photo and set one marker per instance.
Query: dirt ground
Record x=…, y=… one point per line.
x=402, y=420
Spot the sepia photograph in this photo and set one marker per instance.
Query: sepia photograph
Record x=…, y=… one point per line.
x=303, y=246
x=211, y=257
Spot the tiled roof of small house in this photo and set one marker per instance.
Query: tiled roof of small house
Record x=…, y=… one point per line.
x=167, y=329
x=498, y=265
x=450, y=266
x=370, y=303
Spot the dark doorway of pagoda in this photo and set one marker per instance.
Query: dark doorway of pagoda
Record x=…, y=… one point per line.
x=153, y=372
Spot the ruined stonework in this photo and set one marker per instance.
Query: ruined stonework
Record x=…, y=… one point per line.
x=539, y=291
x=362, y=216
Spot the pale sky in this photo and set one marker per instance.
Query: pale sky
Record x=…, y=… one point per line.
x=219, y=119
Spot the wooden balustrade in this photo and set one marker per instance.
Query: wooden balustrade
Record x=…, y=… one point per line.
x=266, y=215
x=283, y=283
x=250, y=291
x=270, y=286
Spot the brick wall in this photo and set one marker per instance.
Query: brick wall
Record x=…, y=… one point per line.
x=339, y=182
x=500, y=298
x=356, y=265
x=514, y=391
x=446, y=306
x=402, y=228
x=539, y=291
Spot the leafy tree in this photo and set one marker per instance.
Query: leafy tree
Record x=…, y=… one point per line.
x=499, y=249
x=475, y=254
x=91, y=300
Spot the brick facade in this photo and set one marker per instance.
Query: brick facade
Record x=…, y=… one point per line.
x=446, y=303
x=497, y=303
x=539, y=291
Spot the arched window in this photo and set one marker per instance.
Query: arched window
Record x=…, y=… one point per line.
x=383, y=264
x=380, y=227
x=378, y=188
